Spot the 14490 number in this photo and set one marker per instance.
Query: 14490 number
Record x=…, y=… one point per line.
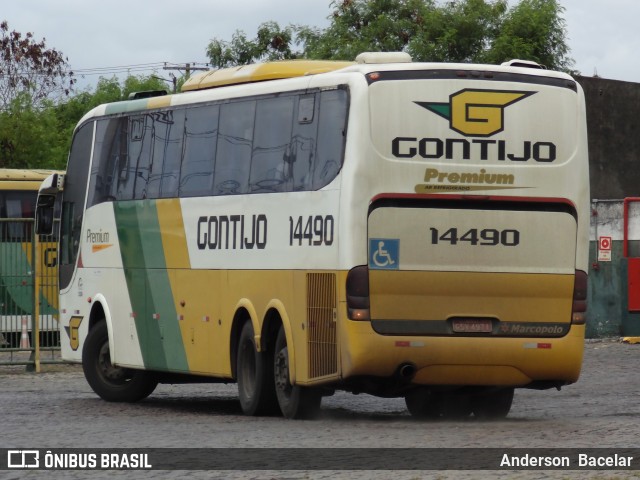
x=312, y=230
x=473, y=236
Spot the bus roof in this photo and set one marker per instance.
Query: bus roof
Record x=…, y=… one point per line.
x=23, y=175
x=260, y=72
x=365, y=63
x=22, y=179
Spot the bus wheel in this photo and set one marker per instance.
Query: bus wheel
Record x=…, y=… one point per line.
x=255, y=376
x=456, y=406
x=423, y=403
x=112, y=383
x=295, y=401
x=493, y=405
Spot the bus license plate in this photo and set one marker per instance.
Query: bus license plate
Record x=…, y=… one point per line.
x=472, y=325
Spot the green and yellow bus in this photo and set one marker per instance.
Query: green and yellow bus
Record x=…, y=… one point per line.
x=18, y=195
x=417, y=230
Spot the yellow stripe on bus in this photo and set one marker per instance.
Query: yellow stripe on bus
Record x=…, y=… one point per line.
x=172, y=231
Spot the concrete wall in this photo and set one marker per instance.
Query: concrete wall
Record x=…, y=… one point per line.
x=613, y=126
x=608, y=312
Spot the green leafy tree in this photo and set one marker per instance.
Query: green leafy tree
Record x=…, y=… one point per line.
x=459, y=31
x=143, y=83
x=107, y=90
x=271, y=43
x=451, y=31
x=39, y=137
x=533, y=30
x=376, y=25
x=27, y=134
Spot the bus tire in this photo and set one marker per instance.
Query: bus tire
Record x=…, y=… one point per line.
x=423, y=403
x=456, y=406
x=493, y=405
x=295, y=401
x=111, y=383
x=427, y=404
x=255, y=376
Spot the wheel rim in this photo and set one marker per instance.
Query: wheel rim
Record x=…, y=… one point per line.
x=110, y=373
x=281, y=373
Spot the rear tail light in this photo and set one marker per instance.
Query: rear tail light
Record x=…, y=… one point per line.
x=358, y=293
x=578, y=313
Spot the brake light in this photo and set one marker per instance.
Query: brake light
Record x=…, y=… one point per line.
x=358, y=293
x=580, y=286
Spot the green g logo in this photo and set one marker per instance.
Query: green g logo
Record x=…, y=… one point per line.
x=478, y=113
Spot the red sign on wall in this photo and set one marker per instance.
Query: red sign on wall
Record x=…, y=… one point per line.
x=604, y=249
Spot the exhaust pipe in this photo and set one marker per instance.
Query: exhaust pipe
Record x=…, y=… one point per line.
x=406, y=371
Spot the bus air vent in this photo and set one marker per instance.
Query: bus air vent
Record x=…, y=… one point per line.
x=384, y=57
x=523, y=64
x=321, y=324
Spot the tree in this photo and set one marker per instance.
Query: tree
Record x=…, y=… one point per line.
x=459, y=31
x=142, y=83
x=376, y=25
x=107, y=90
x=29, y=67
x=271, y=43
x=40, y=137
x=29, y=136
x=533, y=30
x=485, y=31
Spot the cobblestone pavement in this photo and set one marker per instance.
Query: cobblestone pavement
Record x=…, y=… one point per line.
x=57, y=409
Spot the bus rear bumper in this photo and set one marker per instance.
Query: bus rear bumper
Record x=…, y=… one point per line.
x=463, y=361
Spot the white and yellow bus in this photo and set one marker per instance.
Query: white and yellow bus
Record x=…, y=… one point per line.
x=18, y=195
x=402, y=229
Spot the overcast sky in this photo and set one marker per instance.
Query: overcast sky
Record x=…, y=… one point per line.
x=97, y=37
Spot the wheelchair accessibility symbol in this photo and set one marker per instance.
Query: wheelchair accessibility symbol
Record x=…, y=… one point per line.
x=384, y=253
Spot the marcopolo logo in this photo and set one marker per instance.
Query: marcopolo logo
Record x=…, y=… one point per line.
x=478, y=113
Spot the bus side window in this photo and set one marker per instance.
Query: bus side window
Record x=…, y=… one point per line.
x=140, y=148
x=156, y=154
x=127, y=176
x=331, y=137
x=104, y=169
x=233, y=155
x=166, y=153
x=172, y=155
x=271, y=162
x=303, y=142
x=201, y=137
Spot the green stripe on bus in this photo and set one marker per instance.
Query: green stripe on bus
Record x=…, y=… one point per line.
x=149, y=286
x=16, y=280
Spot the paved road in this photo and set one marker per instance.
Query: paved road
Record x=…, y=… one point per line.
x=58, y=410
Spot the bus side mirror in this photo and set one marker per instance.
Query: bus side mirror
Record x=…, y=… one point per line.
x=44, y=214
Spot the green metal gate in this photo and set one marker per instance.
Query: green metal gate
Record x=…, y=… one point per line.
x=28, y=292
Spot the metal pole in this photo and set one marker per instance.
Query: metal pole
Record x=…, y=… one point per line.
x=37, y=272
